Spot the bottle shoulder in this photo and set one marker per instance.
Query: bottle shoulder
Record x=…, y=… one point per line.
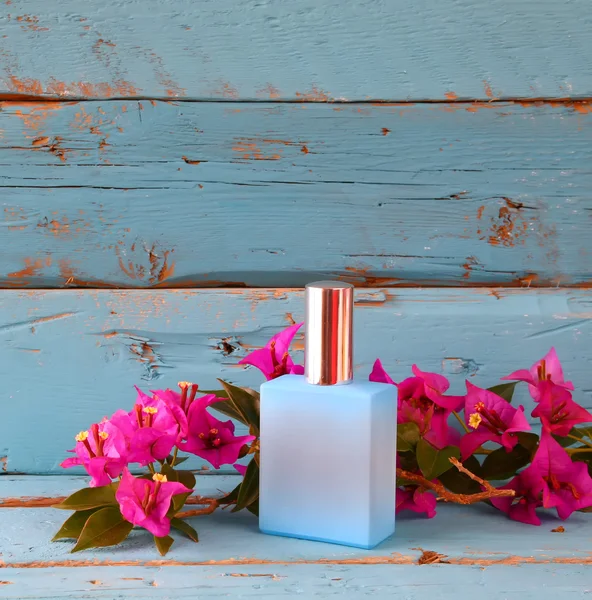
x=354, y=388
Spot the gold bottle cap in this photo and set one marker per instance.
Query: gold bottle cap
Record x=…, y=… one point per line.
x=328, y=353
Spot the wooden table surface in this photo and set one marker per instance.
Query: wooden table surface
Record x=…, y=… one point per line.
x=462, y=552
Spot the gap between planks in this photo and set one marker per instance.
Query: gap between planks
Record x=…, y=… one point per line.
x=581, y=104
x=393, y=559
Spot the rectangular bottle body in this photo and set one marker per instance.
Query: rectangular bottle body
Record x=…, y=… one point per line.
x=328, y=461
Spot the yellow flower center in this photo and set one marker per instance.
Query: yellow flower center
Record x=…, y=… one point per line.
x=475, y=420
x=214, y=431
x=150, y=410
x=103, y=435
x=159, y=477
x=184, y=384
x=82, y=436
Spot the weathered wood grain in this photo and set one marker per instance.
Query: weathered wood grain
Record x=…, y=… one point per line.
x=346, y=582
x=67, y=358
x=142, y=194
x=476, y=536
x=302, y=50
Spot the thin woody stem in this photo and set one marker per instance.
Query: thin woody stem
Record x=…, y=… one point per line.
x=459, y=419
x=581, y=440
x=175, y=456
x=211, y=504
x=574, y=450
x=447, y=496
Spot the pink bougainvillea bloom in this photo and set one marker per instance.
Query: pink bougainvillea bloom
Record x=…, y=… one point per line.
x=492, y=419
x=417, y=500
x=151, y=429
x=210, y=438
x=145, y=503
x=102, y=451
x=176, y=400
x=566, y=485
x=379, y=374
x=557, y=410
x=547, y=369
x=273, y=360
x=421, y=400
x=522, y=507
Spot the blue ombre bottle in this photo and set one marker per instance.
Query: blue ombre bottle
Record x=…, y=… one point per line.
x=328, y=442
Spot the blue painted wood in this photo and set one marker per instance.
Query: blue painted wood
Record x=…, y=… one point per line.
x=477, y=536
x=67, y=358
x=318, y=582
x=268, y=49
x=196, y=194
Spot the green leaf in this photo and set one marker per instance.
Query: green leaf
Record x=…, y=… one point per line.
x=73, y=525
x=177, y=503
x=461, y=483
x=528, y=440
x=163, y=544
x=90, y=498
x=246, y=402
x=106, y=527
x=434, y=462
x=231, y=497
x=580, y=433
x=226, y=407
x=178, y=460
x=407, y=437
x=501, y=465
x=187, y=478
x=254, y=508
x=504, y=390
x=185, y=528
x=249, y=489
x=217, y=393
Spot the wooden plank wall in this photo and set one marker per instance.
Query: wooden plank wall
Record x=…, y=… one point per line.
x=254, y=146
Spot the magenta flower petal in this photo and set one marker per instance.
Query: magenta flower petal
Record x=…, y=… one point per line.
x=212, y=439
x=435, y=386
x=145, y=503
x=557, y=410
x=522, y=507
x=273, y=360
x=567, y=485
x=471, y=441
x=547, y=369
x=102, y=451
x=379, y=374
x=242, y=469
x=416, y=500
x=494, y=419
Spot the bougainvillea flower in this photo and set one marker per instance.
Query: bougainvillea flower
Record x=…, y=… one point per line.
x=145, y=503
x=273, y=360
x=492, y=419
x=421, y=400
x=102, y=451
x=417, y=500
x=176, y=400
x=151, y=429
x=212, y=439
x=547, y=369
x=379, y=374
x=522, y=507
x=566, y=485
x=557, y=410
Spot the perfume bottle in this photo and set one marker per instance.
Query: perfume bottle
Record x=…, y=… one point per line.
x=328, y=442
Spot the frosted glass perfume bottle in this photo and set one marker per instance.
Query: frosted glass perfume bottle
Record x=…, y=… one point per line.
x=328, y=442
